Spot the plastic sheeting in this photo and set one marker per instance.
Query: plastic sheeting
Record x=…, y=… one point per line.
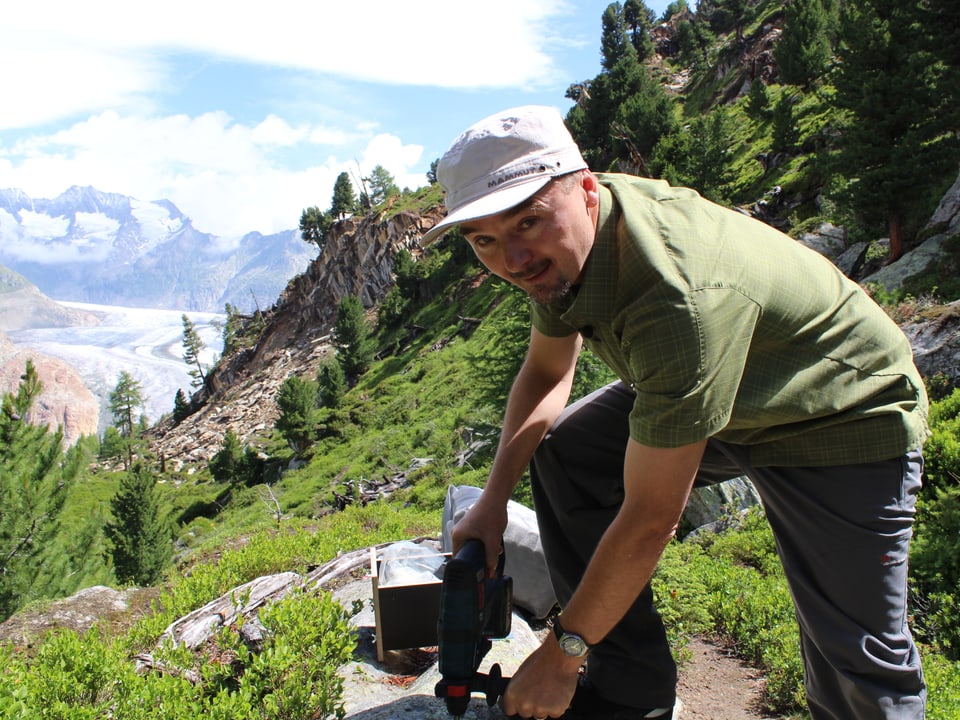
x=525, y=561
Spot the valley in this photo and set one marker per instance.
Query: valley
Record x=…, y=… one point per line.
x=147, y=343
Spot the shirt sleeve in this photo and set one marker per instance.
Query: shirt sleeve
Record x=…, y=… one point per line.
x=686, y=360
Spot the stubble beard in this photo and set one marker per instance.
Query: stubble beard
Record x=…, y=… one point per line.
x=550, y=294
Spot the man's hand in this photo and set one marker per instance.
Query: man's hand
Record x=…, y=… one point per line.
x=485, y=521
x=544, y=684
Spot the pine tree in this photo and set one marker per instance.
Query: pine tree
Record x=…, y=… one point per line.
x=344, y=200
x=331, y=385
x=112, y=445
x=233, y=464
x=35, y=477
x=314, y=225
x=785, y=131
x=758, y=100
x=382, y=185
x=297, y=421
x=181, y=406
x=614, y=41
x=638, y=19
x=352, y=338
x=231, y=327
x=140, y=536
x=126, y=402
x=622, y=113
x=941, y=21
x=193, y=345
x=803, y=50
x=894, y=150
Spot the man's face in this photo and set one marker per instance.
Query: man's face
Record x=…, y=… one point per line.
x=542, y=244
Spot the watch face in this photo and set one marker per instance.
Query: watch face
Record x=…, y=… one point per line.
x=573, y=645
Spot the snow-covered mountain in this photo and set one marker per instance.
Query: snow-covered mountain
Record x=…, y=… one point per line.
x=94, y=247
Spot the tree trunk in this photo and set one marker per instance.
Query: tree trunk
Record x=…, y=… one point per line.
x=896, y=236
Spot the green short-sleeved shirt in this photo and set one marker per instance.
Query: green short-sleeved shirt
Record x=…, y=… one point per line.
x=727, y=328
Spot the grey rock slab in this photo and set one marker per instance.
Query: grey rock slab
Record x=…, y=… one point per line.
x=402, y=686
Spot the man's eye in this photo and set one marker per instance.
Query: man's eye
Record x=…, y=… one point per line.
x=528, y=222
x=480, y=241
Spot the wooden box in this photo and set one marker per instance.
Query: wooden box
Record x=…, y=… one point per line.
x=406, y=615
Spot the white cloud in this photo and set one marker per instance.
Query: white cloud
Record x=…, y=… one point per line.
x=64, y=57
x=109, y=69
x=224, y=175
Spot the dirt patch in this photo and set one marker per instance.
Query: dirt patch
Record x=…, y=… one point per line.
x=714, y=685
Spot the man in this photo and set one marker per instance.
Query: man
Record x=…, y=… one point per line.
x=739, y=352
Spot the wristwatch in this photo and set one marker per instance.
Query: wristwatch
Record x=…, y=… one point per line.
x=571, y=643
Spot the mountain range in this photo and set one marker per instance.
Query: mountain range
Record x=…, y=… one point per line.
x=95, y=247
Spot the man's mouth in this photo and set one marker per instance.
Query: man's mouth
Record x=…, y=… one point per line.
x=532, y=274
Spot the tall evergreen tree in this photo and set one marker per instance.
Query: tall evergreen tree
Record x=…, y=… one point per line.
x=786, y=134
x=331, y=384
x=35, y=477
x=297, y=420
x=941, y=20
x=614, y=41
x=697, y=156
x=231, y=327
x=126, y=400
x=803, y=51
x=639, y=19
x=193, y=345
x=893, y=150
x=625, y=111
x=140, y=536
x=181, y=406
x=352, y=338
x=432, y=172
x=382, y=185
x=126, y=404
x=344, y=199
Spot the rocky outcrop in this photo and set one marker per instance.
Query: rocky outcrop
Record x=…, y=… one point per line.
x=65, y=401
x=943, y=226
x=357, y=259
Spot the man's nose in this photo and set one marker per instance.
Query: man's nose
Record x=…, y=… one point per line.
x=516, y=254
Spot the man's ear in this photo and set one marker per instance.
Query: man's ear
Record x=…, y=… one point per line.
x=591, y=187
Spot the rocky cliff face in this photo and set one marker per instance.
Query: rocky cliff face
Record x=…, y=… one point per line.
x=357, y=259
x=65, y=401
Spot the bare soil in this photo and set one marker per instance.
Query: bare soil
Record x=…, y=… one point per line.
x=715, y=685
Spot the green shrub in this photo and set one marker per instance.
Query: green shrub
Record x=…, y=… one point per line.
x=293, y=676
x=943, y=687
x=935, y=570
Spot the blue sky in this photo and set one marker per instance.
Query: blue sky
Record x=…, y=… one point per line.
x=243, y=114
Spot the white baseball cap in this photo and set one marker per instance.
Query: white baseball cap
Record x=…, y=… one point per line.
x=501, y=161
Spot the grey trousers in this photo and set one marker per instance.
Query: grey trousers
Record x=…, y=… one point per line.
x=842, y=533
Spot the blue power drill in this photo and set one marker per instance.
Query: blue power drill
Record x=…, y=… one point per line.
x=473, y=609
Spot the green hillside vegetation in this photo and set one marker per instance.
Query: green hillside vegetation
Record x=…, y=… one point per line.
x=423, y=413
